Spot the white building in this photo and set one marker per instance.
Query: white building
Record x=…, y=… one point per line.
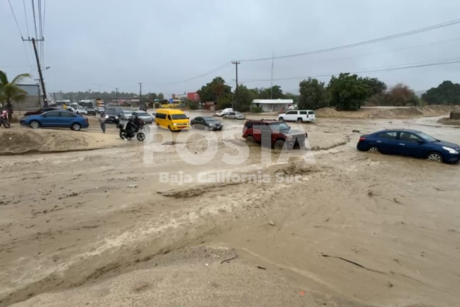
x=272, y=105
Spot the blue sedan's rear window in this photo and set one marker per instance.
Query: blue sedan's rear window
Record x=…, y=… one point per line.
x=388, y=135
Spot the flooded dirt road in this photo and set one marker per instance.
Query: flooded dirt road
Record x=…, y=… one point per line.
x=100, y=228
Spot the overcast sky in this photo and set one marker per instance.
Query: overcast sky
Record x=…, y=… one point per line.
x=120, y=43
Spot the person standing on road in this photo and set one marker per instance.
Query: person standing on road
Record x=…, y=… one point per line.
x=64, y=106
x=102, y=121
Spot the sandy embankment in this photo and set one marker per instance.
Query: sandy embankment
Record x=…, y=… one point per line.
x=20, y=141
x=432, y=110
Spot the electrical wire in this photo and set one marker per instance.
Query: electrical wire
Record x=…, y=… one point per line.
x=202, y=75
x=20, y=33
x=35, y=20
x=375, y=53
x=390, y=68
x=25, y=17
x=372, y=41
x=43, y=32
x=14, y=15
x=40, y=30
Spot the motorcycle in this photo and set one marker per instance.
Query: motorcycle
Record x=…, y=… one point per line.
x=4, y=119
x=129, y=129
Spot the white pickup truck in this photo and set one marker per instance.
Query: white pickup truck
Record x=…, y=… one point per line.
x=298, y=116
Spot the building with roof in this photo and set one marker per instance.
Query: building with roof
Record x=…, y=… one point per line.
x=272, y=105
x=32, y=101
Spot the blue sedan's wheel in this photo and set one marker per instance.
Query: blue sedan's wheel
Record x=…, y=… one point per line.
x=435, y=157
x=76, y=127
x=34, y=124
x=373, y=149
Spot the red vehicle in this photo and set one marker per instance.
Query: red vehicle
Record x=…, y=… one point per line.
x=40, y=111
x=273, y=133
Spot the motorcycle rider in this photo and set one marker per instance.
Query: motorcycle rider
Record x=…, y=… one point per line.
x=132, y=126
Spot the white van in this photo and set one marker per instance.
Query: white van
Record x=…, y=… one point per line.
x=224, y=112
x=298, y=116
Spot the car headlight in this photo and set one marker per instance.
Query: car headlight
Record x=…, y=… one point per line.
x=174, y=124
x=116, y=117
x=450, y=150
x=106, y=116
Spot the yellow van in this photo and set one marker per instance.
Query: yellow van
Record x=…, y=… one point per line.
x=172, y=119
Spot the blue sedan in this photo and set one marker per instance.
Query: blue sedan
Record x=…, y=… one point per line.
x=57, y=118
x=410, y=143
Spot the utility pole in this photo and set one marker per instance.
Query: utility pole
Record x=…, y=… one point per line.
x=33, y=40
x=236, y=63
x=99, y=85
x=116, y=94
x=140, y=93
x=271, y=80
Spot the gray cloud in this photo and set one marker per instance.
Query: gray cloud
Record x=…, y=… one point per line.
x=120, y=43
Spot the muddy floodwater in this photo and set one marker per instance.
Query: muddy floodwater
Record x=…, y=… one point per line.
x=345, y=228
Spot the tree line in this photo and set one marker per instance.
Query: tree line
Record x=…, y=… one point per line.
x=346, y=92
x=77, y=96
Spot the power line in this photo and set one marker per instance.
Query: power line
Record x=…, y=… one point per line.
x=391, y=68
x=202, y=75
x=35, y=20
x=376, y=53
x=20, y=33
x=14, y=15
x=25, y=17
x=40, y=30
x=44, y=16
x=372, y=41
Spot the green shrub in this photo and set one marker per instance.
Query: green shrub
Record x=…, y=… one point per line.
x=256, y=110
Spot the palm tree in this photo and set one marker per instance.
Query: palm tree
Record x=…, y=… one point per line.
x=10, y=91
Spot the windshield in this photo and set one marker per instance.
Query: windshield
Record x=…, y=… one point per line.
x=279, y=127
x=179, y=116
x=209, y=119
x=141, y=114
x=426, y=137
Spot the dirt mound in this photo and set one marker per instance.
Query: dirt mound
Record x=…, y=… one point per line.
x=327, y=112
x=448, y=121
x=19, y=141
x=388, y=112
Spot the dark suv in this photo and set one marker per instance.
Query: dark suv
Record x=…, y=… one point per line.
x=112, y=114
x=273, y=133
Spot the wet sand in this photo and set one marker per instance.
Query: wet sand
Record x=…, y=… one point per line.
x=99, y=228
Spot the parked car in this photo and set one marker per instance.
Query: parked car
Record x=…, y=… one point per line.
x=154, y=115
x=234, y=115
x=71, y=109
x=40, y=111
x=126, y=114
x=410, y=143
x=298, y=116
x=111, y=116
x=81, y=110
x=91, y=111
x=206, y=123
x=56, y=118
x=146, y=117
x=273, y=133
x=172, y=119
x=224, y=112
x=99, y=110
